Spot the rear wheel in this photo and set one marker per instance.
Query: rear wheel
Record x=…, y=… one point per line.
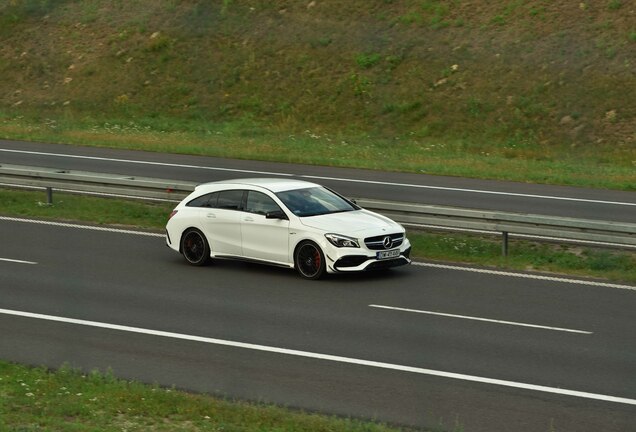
x=309, y=260
x=195, y=248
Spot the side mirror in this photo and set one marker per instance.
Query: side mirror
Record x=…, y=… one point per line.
x=276, y=214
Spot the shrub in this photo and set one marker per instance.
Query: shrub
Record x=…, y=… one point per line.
x=367, y=60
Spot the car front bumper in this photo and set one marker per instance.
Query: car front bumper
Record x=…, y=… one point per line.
x=362, y=259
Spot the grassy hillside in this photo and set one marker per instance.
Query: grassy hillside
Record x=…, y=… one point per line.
x=538, y=90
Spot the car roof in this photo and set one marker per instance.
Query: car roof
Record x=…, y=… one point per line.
x=273, y=184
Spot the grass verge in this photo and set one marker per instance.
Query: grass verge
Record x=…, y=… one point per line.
x=481, y=250
x=249, y=140
x=36, y=399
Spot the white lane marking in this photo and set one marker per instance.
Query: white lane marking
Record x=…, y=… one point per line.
x=141, y=162
x=513, y=323
x=422, y=264
x=327, y=357
x=78, y=226
x=16, y=261
x=479, y=191
x=526, y=276
x=443, y=188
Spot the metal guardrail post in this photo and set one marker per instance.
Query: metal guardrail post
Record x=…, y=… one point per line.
x=49, y=195
x=504, y=243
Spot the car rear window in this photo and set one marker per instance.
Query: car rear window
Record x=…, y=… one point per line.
x=207, y=200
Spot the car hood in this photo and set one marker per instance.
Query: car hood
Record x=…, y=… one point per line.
x=353, y=222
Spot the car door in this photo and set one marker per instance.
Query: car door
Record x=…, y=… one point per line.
x=262, y=238
x=222, y=222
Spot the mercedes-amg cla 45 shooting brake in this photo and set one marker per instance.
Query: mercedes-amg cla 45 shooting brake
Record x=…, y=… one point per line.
x=284, y=222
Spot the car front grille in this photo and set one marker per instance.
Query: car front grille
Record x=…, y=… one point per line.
x=378, y=242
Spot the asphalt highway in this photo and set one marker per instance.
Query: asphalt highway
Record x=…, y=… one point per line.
x=422, y=345
x=355, y=183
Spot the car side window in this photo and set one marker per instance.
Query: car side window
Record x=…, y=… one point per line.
x=207, y=200
x=260, y=203
x=230, y=200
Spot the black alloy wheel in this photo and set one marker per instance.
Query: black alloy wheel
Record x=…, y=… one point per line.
x=195, y=248
x=309, y=260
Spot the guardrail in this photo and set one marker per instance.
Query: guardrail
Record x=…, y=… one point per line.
x=96, y=183
x=538, y=226
x=561, y=228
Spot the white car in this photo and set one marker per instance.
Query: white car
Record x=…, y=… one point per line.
x=284, y=222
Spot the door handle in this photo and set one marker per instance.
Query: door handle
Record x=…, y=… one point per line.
x=248, y=219
x=211, y=216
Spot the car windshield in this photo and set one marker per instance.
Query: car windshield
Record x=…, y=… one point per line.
x=314, y=201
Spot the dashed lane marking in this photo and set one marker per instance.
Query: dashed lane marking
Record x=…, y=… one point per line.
x=466, y=317
x=17, y=261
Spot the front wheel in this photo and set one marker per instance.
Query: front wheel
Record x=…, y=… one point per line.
x=195, y=248
x=309, y=260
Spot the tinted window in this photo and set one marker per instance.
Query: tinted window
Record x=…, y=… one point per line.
x=230, y=200
x=207, y=200
x=314, y=201
x=260, y=203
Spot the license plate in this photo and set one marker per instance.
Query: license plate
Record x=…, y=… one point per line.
x=394, y=253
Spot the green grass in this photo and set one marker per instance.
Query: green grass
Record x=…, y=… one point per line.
x=515, y=90
x=36, y=399
x=516, y=159
x=614, y=4
x=367, y=60
x=480, y=250
x=101, y=211
x=527, y=256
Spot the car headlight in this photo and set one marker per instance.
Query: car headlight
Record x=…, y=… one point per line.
x=342, y=241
